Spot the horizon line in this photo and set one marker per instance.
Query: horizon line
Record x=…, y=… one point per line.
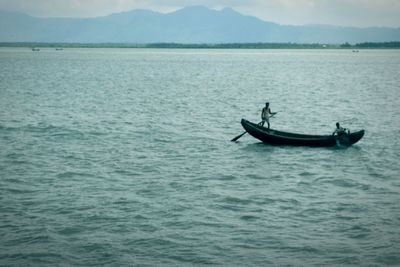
x=346, y=45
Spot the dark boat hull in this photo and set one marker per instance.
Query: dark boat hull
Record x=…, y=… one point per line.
x=275, y=137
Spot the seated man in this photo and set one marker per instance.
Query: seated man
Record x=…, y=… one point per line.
x=339, y=130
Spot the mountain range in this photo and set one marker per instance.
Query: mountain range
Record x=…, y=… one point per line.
x=195, y=24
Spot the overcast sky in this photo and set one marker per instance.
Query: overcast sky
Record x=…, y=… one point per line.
x=361, y=13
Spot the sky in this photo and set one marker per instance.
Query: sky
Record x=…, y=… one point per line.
x=359, y=13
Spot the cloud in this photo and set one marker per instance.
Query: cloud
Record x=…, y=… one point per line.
x=362, y=13
x=338, y=12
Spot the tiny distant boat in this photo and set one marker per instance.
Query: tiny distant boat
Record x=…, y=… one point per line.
x=59, y=49
x=35, y=49
x=274, y=137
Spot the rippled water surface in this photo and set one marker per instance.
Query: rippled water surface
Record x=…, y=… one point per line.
x=122, y=157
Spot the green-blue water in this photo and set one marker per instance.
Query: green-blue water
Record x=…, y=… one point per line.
x=122, y=157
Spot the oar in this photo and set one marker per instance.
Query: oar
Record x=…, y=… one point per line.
x=237, y=137
x=240, y=135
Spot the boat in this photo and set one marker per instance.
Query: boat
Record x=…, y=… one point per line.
x=274, y=137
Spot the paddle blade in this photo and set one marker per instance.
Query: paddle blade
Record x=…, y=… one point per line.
x=237, y=137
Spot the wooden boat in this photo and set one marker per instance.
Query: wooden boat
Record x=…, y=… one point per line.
x=275, y=137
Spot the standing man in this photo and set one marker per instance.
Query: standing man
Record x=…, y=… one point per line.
x=266, y=114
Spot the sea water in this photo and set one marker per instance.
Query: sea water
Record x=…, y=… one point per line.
x=122, y=157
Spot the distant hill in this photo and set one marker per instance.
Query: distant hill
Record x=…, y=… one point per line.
x=196, y=24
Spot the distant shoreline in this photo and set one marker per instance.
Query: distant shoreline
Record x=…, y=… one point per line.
x=366, y=45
